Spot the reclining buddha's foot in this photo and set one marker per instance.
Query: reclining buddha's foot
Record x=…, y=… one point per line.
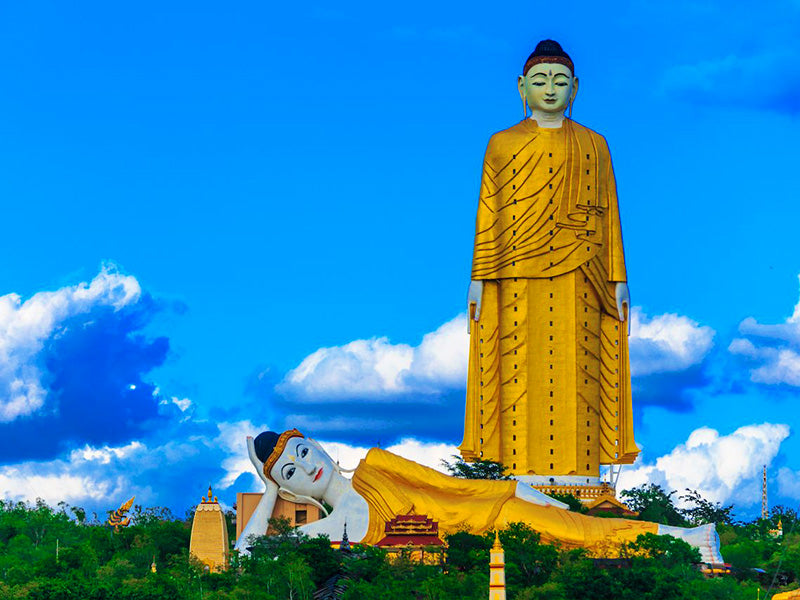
x=703, y=537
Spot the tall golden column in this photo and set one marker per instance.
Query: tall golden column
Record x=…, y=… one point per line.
x=548, y=391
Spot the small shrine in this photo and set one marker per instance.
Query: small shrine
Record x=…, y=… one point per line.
x=414, y=535
x=209, y=539
x=778, y=531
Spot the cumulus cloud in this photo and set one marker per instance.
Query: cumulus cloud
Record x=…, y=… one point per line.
x=773, y=351
x=667, y=343
x=379, y=369
x=374, y=391
x=73, y=364
x=172, y=468
x=723, y=468
x=25, y=327
x=232, y=440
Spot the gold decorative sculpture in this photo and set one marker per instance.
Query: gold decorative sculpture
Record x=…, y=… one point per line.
x=118, y=519
x=548, y=391
x=385, y=485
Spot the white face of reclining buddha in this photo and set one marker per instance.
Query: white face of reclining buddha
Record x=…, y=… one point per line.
x=303, y=468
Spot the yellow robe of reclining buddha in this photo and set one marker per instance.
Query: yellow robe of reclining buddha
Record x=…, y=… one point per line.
x=393, y=486
x=548, y=389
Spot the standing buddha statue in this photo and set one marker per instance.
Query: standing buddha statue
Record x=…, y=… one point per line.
x=548, y=391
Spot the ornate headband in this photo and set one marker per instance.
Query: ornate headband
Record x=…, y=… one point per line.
x=280, y=445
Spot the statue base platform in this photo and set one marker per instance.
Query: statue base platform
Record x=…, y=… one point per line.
x=586, y=489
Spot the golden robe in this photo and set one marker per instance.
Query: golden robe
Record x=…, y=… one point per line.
x=548, y=389
x=393, y=486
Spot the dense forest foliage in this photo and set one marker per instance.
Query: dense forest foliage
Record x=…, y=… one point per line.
x=51, y=553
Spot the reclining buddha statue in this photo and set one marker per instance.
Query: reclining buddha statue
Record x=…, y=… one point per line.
x=385, y=485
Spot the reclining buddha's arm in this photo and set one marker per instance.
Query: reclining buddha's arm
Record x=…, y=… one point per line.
x=527, y=493
x=259, y=520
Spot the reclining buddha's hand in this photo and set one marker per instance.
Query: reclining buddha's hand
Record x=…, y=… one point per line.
x=251, y=451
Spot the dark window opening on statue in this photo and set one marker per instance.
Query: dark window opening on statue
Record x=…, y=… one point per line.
x=300, y=517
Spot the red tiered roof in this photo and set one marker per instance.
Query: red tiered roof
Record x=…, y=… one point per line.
x=413, y=530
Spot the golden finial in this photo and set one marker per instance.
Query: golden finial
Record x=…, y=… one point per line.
x=497, y=544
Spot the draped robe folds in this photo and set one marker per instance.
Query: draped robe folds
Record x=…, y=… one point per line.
x=548, y=389
x=394, y=486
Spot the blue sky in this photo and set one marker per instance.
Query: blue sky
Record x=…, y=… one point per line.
x=276, y=206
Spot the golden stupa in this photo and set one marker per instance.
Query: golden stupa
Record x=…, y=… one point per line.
x=209, y=540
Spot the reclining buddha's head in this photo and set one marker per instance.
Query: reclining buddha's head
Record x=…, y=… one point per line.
x=297, y=464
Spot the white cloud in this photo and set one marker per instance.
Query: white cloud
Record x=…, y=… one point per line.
x=774, y=348
x=379, y=369
x=232, y=439
x=105, y=454
x=722, y=468
x=99, y=477
x=25, y=326
x=376, y=367
x=666, y=343
x=85, y=476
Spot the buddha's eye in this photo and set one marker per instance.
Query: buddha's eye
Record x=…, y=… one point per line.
x=538, y=83
x=562, y=84
x=303, y=452
x=287, y=471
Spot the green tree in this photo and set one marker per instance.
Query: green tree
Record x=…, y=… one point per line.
x=528, y=562
x=574, y=503
x=480, y=469
x=701, y=511
x=667, y=550
x=467, y=552
x=653, y=504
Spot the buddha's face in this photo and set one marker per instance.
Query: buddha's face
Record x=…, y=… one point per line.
x=304, y=468
x=548, y=87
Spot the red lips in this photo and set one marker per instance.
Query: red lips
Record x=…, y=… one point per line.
x=318, y=475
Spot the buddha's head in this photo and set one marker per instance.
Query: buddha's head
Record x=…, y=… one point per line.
x=548, y=81
x=297, y=464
